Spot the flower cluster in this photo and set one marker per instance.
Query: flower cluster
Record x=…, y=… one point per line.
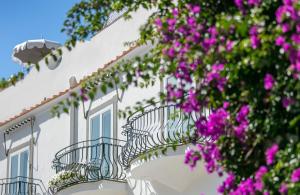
x=242, y=121
x=254, y=37
x=288, y=19
x=215, y=77
x=191, y=157
x=268, y=82
x=228, y=184
x=236, y=67
x=271, y=153
x=295, y=175
x=211, y=155
x=247, y=186
x=243, y=4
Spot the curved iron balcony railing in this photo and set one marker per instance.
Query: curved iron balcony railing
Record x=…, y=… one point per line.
x=88, y=161
x=22, y=186
x=154, y=128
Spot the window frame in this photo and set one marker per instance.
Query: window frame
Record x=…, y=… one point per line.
x=18, y=151
x=100, y=113
x=110, y=105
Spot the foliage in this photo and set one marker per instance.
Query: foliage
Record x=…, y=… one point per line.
x=4, y=83
x=242, y=58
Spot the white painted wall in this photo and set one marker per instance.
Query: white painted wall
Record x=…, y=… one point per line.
x=3, y=163
x=52, y=135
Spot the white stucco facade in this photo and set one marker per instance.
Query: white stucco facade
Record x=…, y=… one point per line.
x=162, y=175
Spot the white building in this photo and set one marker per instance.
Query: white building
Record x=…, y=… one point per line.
x=99, y=153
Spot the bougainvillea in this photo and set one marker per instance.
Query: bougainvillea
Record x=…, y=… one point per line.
x=237, y=66
x=249, y=60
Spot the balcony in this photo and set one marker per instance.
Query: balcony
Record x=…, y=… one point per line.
x=89, y=167
x=153, y=129
x=22, y=186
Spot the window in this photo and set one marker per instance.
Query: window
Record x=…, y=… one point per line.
x=19, y=171
x=100, y=134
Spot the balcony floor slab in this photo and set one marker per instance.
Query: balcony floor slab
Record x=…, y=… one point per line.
x=96, y=188
x=171, y=171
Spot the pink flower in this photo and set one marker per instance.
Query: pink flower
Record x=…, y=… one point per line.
x=210, y=154
x=268, y=82
x=158, y=22
x=171, y=52
x=226, y=105
x=227, y=184
x=286, y=102
x=271, y=153
x=213, y=31
x=286, y=47
x=83, y=95
x=215, y=77
x=229, y=45
x=171, y=24
x=296, y=38
x=295, y=68
x=285, y=27
x=254, y=39
x=175, y=12
x=254, y=2
x=258, y=177
x=280, y=41
x=285, y=10
x=241, y=118
x=239, y=3
x=196, y=9
x=243, y=113
x=295, y=177
x=240, y=130
x=245, y=187
x=171, y=21
x=298, y=28
x=255, y=42
x=191, y=158
x=283, y=189
x=191, y=21
x=192, y=103
x=214, y=125
x=288, y=2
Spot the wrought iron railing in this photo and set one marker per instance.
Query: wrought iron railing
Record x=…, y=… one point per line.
x=22, y=186
x=157, y=127
x=88, y=161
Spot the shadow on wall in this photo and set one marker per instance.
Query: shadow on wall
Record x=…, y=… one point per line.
x=153, y=187
x=40, y=119
x=2, y=149
x=141, y=187
x=23, y=135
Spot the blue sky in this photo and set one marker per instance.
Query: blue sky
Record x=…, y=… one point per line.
x=22, y=20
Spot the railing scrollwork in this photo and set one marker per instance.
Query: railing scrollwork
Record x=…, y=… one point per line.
x=88, y=161
x=156, y=127
x=22, y=186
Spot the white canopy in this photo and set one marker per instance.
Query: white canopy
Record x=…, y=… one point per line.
x=32, y=51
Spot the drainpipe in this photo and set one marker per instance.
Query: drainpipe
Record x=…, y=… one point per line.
x=73, y=119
